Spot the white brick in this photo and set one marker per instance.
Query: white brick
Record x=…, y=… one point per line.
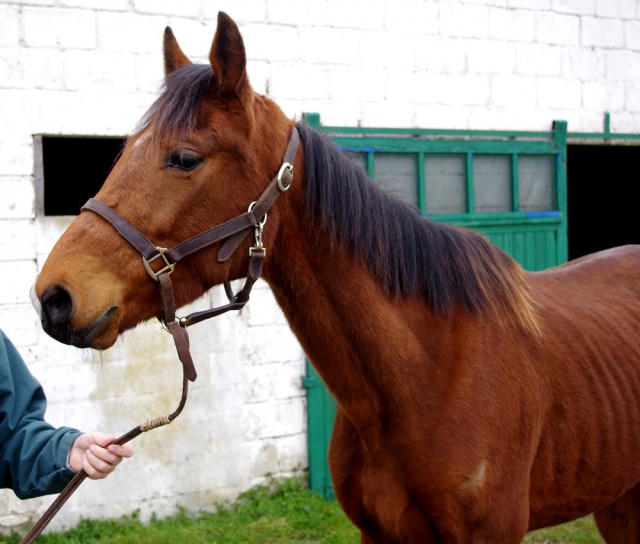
x=512, y=25
x=556, y=29
x=420, y=88
x=184, y=8
x=248, y=11
x=17, y=159
x=357, y=83
x=491, y=58
x=513, y=92
x=389, y=50
x=632, y=35
x=17, y=278
x=271, y=42
x=20, y=322
x=18, y=239
x=288, y=380
x=300, y=14
x=9, y=26
x=106, y=5
x=537, y=5
x=388, y=114
x=89, y=70
x=441, y=55
x=465, y=90
x=258, y=72
x=59, y=28
x=626, y=123
x=328, y=46
x=262, y=309
x=632, y=99
x=25, y=68
x=464, y=21
x=259, y=383
x=271, y=344
x=310, y=81
x=604, y=96
x=578, y=7
x=623, y=66
x=33, y=2
x=602, y=32
x=128, y=33
x=18, y=198
x=408, y=86
x=362, y=14
x=411, y=16
x=556, y=93
x=292, y=452
x=149, y=75
x=541, y=60
x=583, y=65
x=620, y=9
x=274, y=419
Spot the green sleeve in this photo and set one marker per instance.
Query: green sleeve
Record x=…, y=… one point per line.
x=33, y=453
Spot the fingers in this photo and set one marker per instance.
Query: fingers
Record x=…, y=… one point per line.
x=99, y=462
x=121, y=451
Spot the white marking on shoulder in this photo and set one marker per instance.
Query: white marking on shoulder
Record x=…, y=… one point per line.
x=477, y=477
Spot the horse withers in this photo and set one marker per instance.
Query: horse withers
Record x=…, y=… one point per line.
x=476, y=401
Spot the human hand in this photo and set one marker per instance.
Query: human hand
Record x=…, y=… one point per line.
x=92, y=453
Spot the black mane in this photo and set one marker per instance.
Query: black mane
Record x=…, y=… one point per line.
x=407, y=253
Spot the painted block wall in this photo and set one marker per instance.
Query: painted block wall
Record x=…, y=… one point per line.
x=92, y=67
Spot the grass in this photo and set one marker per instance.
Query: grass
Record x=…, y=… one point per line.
x=277, y=514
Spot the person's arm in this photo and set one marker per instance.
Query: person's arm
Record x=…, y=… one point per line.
x=36, y=458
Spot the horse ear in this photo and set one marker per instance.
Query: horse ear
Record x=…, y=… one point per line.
x=174, y=58
x=228, y=58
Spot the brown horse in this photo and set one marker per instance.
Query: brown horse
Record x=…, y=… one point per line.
x=476, y=401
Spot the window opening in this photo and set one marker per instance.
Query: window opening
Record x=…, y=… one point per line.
x=70, y=170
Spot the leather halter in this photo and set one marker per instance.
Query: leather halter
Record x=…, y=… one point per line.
x=233, y=232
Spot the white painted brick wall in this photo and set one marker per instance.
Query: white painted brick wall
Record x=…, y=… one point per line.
x=93, y=67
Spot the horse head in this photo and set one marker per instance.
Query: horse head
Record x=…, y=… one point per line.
x=204, y=151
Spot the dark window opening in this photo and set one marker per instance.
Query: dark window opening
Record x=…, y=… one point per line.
x=70, y=170
x=601, y=201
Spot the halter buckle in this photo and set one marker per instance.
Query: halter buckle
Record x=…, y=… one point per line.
x=168, y=268
x=286, y=167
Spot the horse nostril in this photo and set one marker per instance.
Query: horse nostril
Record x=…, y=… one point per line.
x=57, y=306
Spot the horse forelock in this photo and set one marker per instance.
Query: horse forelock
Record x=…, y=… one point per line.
x=176, y=110
x=409, y=254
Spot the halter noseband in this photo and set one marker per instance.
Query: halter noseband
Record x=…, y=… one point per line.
x=233, y=232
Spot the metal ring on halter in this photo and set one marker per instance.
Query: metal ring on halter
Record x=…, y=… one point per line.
x=283, y=168
x=261, y=223
x=181, y=320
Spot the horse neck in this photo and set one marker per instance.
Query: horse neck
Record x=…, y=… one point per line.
x=357, y=336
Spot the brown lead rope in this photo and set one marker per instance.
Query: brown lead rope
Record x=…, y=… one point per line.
x=80, y=476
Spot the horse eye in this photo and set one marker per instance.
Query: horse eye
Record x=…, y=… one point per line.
x=183, y=160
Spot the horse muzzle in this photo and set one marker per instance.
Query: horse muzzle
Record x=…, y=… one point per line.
x=55, y=308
